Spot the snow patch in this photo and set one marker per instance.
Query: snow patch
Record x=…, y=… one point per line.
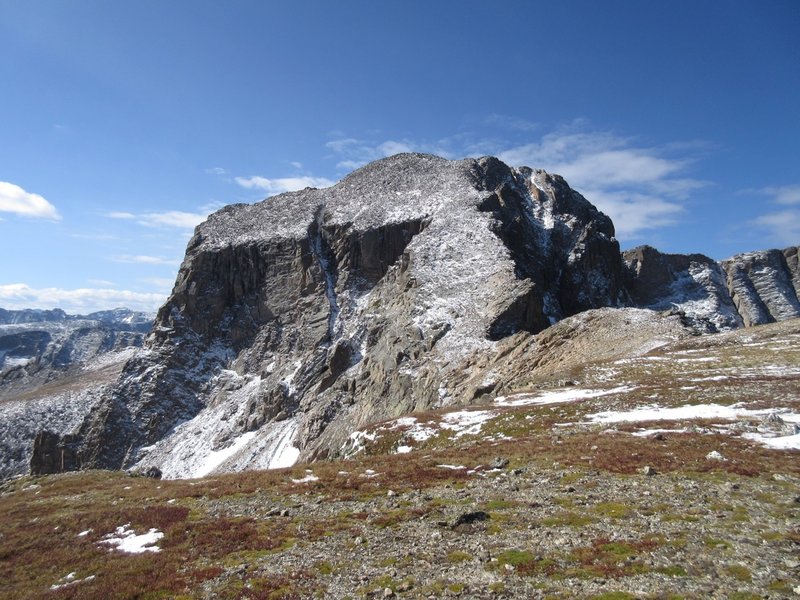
x=216, y=457
x=466, y=422
x=685, y=412
x=556, y=396
x=126, y=540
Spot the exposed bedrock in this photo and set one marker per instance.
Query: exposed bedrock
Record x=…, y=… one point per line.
x=298, y=319
x=326, y=309
x=748, y=289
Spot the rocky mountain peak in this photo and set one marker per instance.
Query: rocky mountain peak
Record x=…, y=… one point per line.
x=300, y=318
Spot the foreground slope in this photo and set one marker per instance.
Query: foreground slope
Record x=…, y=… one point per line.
x=551, y=492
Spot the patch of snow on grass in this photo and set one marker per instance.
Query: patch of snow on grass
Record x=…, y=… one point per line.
x=466, y=422
x=126, y=540
x=452, y=467
x=679, y=413
x=556, y=396
x=783, y=442
x=403, y=450
x=309, y=477
x=68, y=580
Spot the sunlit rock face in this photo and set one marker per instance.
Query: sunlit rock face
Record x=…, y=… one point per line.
x=748, y=289
x=296, y=319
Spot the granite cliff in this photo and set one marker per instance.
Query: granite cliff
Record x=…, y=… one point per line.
x=410, y=285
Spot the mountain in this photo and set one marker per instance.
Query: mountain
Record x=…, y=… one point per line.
x=414, y=283
x=749, y=289
x=53, y=367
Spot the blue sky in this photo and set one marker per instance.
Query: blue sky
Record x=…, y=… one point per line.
x=125, y=123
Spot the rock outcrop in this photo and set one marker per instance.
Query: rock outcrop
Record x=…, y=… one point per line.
x=411, y=284
x=748, y=289
x=296, y=319
x=765, y=285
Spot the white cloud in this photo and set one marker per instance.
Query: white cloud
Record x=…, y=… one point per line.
x=83, y=300
x=142, y=259
x=509, y=122
x=216, y=171
x=640, y=187
x=633, y=213
x=783, y=227
x=786, y=194
x=160, y=283
x=14, y=199
x=100, y=282
x=170, y=218
x=355, y=153
x=296, y=165
x=282, y=184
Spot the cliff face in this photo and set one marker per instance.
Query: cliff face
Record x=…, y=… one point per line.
x=748, y=289
x=298, y=318
x=413, y=283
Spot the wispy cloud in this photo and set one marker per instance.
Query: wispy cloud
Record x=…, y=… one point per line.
x=159, y=283
x=781, y=226
x=170, y=218
x=639, y=186
x=216, y=171
x=282, y=184
x=354, y=153
x=510, y=122
x=143, y=259
x=81, y=300
x=785, y=194
x=14, y=199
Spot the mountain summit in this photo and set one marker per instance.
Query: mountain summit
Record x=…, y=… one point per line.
x=299, y=319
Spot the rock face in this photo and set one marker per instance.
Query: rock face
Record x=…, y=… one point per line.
x=765, y=285
x=296, y=319
x=748, y=289
x=54, y=368
x=414, y=283
x=38, y=346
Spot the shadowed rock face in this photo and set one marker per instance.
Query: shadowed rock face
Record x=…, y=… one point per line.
x=316, y=311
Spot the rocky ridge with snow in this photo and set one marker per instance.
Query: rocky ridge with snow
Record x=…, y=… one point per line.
x=414, y=283
x=53, y=367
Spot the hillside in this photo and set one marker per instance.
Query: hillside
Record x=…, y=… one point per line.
x=585, y=490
